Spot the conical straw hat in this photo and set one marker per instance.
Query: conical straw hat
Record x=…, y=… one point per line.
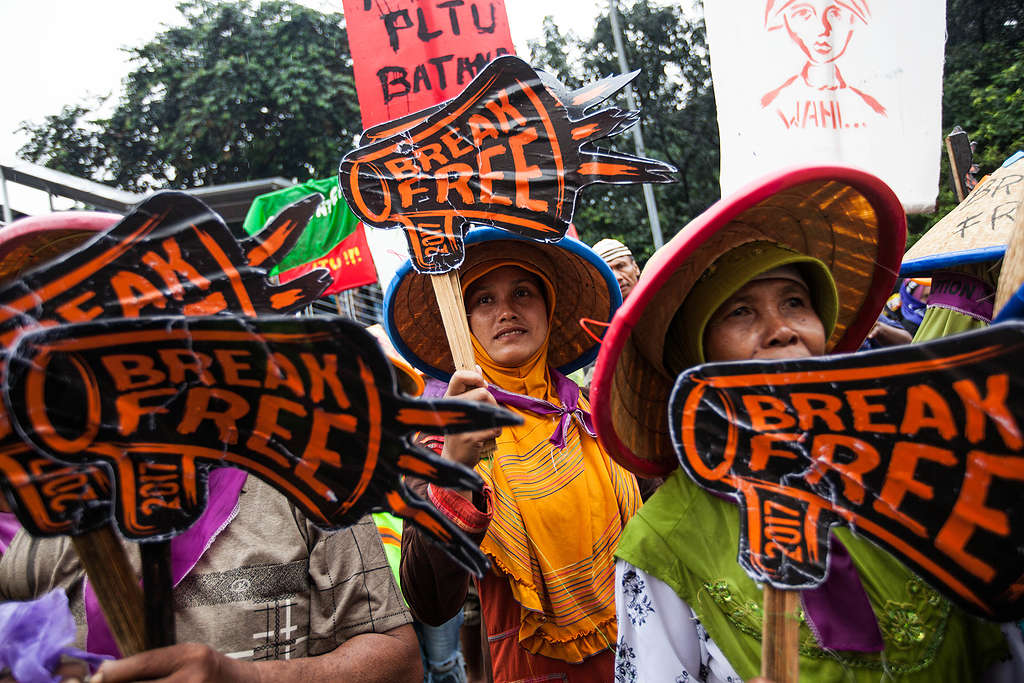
x=585, y=287
x=32, y=241
x=848, y=219
x=977, y=230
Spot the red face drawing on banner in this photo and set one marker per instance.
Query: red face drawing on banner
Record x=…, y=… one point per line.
x=309, y=405
x=172, y=254
x=918, y=448
x=512, y=151
x=819, y=96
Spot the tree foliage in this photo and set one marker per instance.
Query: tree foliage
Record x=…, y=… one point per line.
x=240, y=91
x=676, y=101
x=246, y=90
x=983, y=88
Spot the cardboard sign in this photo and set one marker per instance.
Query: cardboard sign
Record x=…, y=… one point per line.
x=511, y=151
x=172, y=254
x=309, y=405
x=919, y=448
x=976, y=230
x=410, y=54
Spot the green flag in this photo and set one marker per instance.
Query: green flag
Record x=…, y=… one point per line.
x=332, y=222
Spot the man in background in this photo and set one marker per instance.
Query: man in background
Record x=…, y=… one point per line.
x=620, y=259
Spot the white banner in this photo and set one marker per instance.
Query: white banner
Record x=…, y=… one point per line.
x=390, y=250
x=857, y=82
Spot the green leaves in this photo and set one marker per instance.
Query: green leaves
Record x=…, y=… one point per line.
x=983, y=89
x=241, y=91
x=677, y=112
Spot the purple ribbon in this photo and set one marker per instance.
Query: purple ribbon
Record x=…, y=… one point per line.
x=225, y=485
x=568, y=393
x=8, y=527
x=838, y=611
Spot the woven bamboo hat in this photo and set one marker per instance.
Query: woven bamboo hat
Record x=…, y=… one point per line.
x=32, y=241
x=848, y=219
x=584, y=285
x=977, y=230
x=410, y=380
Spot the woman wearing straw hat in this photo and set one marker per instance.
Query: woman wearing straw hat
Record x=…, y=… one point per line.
x=795, y=265
x=555, y=504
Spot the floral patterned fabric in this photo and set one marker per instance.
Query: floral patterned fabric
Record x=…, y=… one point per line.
x=660, y=637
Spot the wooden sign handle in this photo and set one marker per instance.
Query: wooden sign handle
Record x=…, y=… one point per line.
x=954, y=170
x=117, y=588
x=448, y=291
x=780, y=635
x=1011, y=273
x=158, y=593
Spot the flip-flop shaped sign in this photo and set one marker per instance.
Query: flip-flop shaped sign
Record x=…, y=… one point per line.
x=309, y=405
x=171, y=255
x=919, y=448
x=511, y=151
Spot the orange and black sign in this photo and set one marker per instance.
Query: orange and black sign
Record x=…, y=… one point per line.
x=511, y=151
x=171, y=255
x=919, y=448
x=309, y=405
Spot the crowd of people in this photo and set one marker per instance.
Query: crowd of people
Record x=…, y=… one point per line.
x=596, y=573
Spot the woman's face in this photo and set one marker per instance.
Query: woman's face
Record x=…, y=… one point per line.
x=507, y=314
x=765, y=320
x=822, y=30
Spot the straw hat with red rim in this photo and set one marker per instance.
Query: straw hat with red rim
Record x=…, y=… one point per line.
x=848, y=219
x=32, y=241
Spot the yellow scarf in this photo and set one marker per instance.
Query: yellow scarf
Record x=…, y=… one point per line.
x=558, y=514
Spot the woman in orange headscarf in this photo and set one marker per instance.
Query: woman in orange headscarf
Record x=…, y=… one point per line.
x=554, y=503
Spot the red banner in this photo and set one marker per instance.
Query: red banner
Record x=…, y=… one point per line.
x=349, y=263
x=410, y=54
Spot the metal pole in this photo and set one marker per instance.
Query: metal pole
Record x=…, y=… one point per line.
x=7, y=202
x=638, y=137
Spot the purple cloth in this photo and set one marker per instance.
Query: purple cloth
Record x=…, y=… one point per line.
x=838, y=611
x=911, y=308
x=963, y=294
x=8, y=527
x=569, y=395
x=34, y=635
x=225, y=485
x=433, y=388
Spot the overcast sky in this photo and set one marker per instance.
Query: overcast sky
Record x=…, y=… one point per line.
x=58, y=52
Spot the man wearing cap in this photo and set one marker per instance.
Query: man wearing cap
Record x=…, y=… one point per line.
x=620, y=259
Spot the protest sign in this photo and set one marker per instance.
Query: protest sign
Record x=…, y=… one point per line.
x=172, y=254
x=309, y=405
x=333, y=239
x=919, y=448
x=977, y=230
x=512, y=151
x=856, y=82
x=411, y=54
